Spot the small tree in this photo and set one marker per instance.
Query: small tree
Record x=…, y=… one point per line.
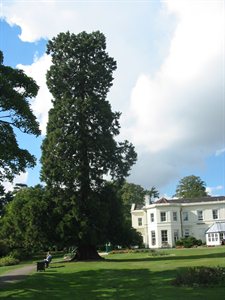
x=191, y=187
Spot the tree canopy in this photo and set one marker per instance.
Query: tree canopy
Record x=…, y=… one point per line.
x=16, y=88
x=26, y=223
x=191, y=187
x=80, y=146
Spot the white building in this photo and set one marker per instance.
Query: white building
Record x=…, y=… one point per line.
x=165, y=221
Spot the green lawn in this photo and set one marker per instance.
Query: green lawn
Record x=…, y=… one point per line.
x=121, y=276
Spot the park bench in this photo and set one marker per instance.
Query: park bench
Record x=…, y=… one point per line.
x=40, y=266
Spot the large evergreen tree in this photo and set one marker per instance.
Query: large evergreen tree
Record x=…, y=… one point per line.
x=80, y=146
x=191, y=187
x=16, y=88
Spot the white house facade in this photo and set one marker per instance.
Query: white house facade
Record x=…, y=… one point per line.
x=165, y=221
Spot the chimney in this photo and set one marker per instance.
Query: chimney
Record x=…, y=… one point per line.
x=147, y=200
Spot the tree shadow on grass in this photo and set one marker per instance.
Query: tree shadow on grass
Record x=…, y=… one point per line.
x=101, y=284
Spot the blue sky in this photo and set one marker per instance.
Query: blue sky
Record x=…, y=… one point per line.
x=169, y=84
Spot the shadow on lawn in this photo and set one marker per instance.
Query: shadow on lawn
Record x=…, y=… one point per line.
x=100, y=284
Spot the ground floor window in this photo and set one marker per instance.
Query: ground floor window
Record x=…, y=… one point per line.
x=186, y=232
x=153, y=238
x=212, y=237
x=164, y=236
x=175, y=235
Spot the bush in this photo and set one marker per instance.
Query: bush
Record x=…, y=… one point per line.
x=188, y=242
x=8, y=261
x=200, y=276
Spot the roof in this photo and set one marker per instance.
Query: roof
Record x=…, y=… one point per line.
x=217, y=227
x=195, y=200
x=183, y=201
x=162, y=200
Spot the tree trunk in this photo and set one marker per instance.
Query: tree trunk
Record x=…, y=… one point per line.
x=87, y=252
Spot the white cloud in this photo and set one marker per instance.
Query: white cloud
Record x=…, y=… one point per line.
x=212, y=191
x=220, y=151
x=178, y=114
x=42, y=103
x=21, y=178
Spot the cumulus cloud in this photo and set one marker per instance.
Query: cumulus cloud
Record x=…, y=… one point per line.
x=42, y=103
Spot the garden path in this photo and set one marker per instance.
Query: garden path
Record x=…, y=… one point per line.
x=16, y=274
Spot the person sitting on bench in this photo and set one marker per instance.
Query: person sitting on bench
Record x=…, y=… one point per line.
x=48, y=259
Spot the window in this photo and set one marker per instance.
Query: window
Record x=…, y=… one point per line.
x=215, y=214
x=200, y=215
x=175, y=235
x=163, y=216
x=164, y=236
x=213, y=237
x=174, y=216
x=186, y=232
x=185, y=216
x=152, y=217
x=153, y=238
x=139, y=221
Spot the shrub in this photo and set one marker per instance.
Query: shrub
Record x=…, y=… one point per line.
x=200, y=276
x=189, y=242
x=8, y=261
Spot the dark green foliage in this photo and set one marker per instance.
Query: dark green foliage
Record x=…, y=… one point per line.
x=15, y=112
x=200, y=276
x=4, y=199
x=4, y=249
x=152, y=193
x=80, y=147
x=134, y=193
x=188, y=242
x=191, y=187
x=26, y=225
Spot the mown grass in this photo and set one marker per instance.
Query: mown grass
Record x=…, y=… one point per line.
x=121, y=276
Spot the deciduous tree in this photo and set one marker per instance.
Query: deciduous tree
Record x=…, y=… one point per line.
x=191, y=187
x=16, y=88
x=26, y=222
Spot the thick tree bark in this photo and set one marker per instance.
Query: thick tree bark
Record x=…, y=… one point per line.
x=87, y=252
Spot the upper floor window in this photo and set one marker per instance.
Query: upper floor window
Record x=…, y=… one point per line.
x=174, y=216
x=200, y=215
x=185, y=216
x=139, y=221
x=152, y=217
x=215, y=213
x=163, y=216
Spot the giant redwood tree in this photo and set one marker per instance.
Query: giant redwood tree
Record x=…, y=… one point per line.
x=80, y=146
